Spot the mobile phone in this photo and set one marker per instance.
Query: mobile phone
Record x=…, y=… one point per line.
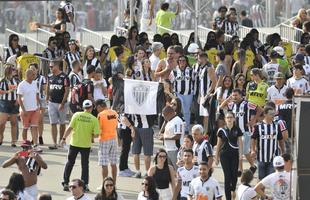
x=24, y=154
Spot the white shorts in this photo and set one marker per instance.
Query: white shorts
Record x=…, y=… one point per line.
x=164, y=194
x=202, y=110
x=32, y=191
x=145, y=25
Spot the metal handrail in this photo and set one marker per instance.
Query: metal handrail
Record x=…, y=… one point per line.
x=243, y=31
x=33, y=45
x=290, y=32
x=183, y=38
x=43, y=35
x=203, y=33
x=89, y=37
x=121, y=31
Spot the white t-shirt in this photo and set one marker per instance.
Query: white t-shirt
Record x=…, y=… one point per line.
x=141, y=196
x=186, y=176
x=276, y=95
x=154, y=61
x=307, y=71
x=245, y=192
x=98, y=94
x=29, y=93
x=271, y=69
x=300, y=86
x=279, y=183
x=204, y=190
x=84, y=197
x=174, y=127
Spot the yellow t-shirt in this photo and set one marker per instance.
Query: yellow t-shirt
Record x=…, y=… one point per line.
x=112, y=55
x=162, y=54
x=212, y=56
x=288, y=49
x=257, y=93
x=24, y=61
x=164, y=19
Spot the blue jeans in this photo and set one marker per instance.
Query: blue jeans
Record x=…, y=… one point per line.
x=264, y=169
x=186, y=101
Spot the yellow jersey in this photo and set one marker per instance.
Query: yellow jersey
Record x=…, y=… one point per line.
x=24, y=61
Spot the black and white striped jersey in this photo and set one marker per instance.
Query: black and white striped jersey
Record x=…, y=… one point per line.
x=41, y=83
x=243, y=112
x=204, y=80
x=74, y=79
x=95, y=62
x=6, y=85
x=267, y=137
x=70, y=57
x=10, y=52
x=183, y=80
x=143, y=121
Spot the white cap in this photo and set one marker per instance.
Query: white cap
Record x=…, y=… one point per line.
x=279, y=50
x=192, y=48
x=87, y=103
x=278, y=161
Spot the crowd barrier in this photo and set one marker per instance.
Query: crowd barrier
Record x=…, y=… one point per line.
x=120, y=31
x=243, y=31
x=88, y=37
x=290, y=32
x=33, y=45
x=43, y=35
x=203, y=34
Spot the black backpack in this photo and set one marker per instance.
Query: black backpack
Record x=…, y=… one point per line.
x=79, y=93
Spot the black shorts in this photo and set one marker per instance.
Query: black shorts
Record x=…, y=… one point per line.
x=8, y=107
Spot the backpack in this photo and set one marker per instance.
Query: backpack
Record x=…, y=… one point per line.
x=79, y=93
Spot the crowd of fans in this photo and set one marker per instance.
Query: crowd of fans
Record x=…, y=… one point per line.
x=224, y=100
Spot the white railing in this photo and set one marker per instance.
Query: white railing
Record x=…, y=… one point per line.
x=43, y=35
x=33, y=45
x=121, y=31
x=88, y=37
x=203, y=34
x=243, y=31
x=290, y=32
x=183, y=38
x=2, y=52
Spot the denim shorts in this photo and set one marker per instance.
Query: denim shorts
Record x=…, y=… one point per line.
x=8, y=107
x=246, y=143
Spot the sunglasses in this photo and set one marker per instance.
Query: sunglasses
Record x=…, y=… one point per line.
x=241, y=79
x=54, y=43
x=182, y=60
x=16, y=40
x=162, y=156
x=109, y=185
x=72, y=186
x=145, y=184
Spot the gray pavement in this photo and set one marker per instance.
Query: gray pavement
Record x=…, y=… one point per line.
x=50, y=180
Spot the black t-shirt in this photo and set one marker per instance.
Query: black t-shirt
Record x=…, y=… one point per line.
x=57, y=85
x=285, y=113
x=229, y=138
x=89, y=86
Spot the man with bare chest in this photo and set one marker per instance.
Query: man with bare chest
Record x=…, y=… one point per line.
x=29, y=164
x=165, y=66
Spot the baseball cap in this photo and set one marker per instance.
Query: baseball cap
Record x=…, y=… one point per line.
x=274, y=54
x=157, y=45
x=192, y=48
x=26, y=143
x=278, y=75
x=278, y=161
x=87, y=103
x=279, y=50
x=299, y=57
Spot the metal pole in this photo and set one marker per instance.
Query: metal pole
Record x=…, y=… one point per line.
x=132, y=14
x=45, y=12
x=119, y=12
x=196, y=20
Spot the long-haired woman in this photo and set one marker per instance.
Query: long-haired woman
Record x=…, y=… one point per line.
x=229, y=153
x=13, y=48
x=147, y=74
x=59, y=26
x=108, y=191
x=132, y=40
x=302, y=17
x=163, y=175
x=90, y=59
x=148, y=189
x=240, y=83
x=17, y=185
x=8, y=103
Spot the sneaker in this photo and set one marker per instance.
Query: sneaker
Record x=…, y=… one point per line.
x=253, y=169
x=137, y=175
x=124, y=173
x=129, y=172
x=53, y=147
x=86, y=188
x=36, y=148
x=65, y=187
x=41, y=140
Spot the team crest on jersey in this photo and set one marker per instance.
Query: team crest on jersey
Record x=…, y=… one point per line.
x=59, y=81
x=140, y=93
